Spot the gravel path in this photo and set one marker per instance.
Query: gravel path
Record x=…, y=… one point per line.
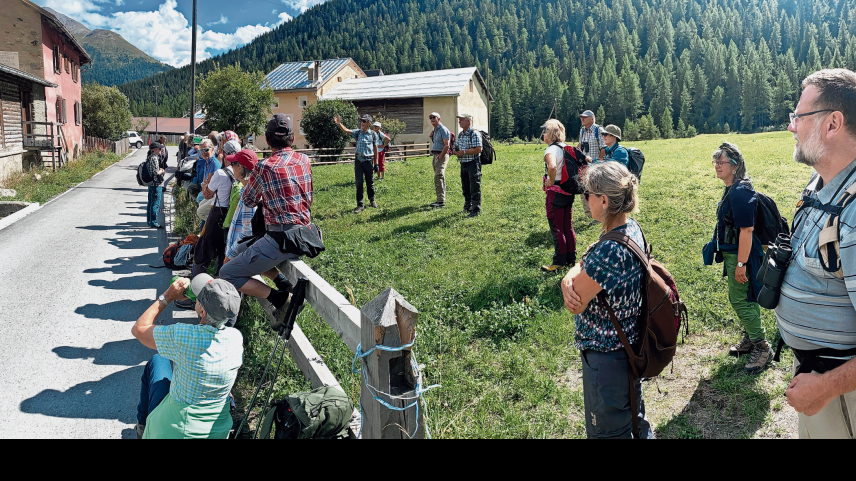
x=75, y=276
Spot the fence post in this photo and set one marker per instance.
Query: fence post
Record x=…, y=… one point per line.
x=388, y=320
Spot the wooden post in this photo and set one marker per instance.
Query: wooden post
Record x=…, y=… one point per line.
x=390, y=321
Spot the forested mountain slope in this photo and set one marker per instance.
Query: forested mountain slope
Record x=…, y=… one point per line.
x=676, y=62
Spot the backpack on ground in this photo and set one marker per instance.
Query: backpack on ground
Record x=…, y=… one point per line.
x=323, y=413
x=177, y=255
x=635, y=161
x=769, y=223
x=660, y=320
x=488, y=154
x=571, y=172
x=144, y=177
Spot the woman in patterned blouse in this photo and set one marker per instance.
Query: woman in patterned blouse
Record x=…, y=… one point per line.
x=612, y=268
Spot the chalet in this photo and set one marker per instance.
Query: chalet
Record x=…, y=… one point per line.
x=37, y=44
x=22, y=96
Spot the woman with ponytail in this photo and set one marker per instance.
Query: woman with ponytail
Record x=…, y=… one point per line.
x=608, y=266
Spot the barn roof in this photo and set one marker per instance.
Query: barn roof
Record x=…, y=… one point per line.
x=24, y=75
x=288, y=76
x=435, y=83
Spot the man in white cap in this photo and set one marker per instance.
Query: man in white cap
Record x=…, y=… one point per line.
x=185, y=386
x=592, y=144
x=469, y=148
x=441, y=140
x=382, y=147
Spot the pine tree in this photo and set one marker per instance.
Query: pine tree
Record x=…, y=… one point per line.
x=666, y=129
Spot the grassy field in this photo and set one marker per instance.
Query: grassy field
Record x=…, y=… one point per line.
x=54, y=183
x=493, y=330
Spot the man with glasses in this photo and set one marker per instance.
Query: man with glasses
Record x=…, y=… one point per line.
x=440, y=138
x=366, y=158
x=815, y=313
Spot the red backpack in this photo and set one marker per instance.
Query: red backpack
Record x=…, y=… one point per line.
x=572, y=169
x=171, y=252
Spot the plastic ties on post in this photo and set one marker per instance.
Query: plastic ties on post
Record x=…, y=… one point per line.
x=418, y=392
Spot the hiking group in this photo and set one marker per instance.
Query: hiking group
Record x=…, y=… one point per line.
x=626, y=306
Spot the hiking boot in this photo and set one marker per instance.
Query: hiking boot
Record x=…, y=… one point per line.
x=359, y=209
x=474, y=213
x=141, y=429
x=760, y=356
x=551, y=268
x=374, y=204
x=269, y=309
x=743, y=348
x=437, y=205
x=279, y=314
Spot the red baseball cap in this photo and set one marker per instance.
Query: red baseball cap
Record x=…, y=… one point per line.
x=246, y=157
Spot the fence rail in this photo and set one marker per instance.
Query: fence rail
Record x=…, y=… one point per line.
x=119, y=147
x=396, y=152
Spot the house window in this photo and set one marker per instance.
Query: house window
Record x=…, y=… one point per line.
x=74, y=72
x=302, y=101
x=59, y=110
x=275, y=104
x=338, y=79
x=65, y=62
x=57, y=60
x=471, y=85
x=76, y=113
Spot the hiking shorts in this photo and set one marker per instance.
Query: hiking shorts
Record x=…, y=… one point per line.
x=260, y=257
x=836, y=421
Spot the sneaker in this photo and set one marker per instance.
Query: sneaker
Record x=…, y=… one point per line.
x=743, y=348
x=760, y=357
x=474, y=213
x=551, y=268
x=359, y=209
x=374, y=204
x=437, y=205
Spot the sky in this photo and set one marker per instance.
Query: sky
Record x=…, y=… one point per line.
x=162, y=28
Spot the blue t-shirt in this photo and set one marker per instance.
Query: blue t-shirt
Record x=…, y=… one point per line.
x=617, y=270
x=737, y=208
x=441, y=133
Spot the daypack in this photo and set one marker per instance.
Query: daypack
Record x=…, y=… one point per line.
x=769, y=223
x=144, y=177
x=179, y=250
x=659, y=322
x=234, y=197
x=323, y=413
x=636, y=161
x=488, y=155
x=572, y=170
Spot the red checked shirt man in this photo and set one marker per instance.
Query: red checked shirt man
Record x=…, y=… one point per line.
x=283, y=183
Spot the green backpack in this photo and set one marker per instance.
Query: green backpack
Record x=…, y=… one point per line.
x=324, y=413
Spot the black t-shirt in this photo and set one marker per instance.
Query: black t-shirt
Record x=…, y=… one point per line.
x=737, y=209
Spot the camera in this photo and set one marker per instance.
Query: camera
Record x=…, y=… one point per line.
x=771, y=275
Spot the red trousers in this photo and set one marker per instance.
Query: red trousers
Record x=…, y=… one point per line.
x=562, y=230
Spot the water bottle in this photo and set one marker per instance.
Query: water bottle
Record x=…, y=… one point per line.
x=189, y=292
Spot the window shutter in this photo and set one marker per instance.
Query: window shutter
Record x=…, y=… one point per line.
x=76, y=113
x=57, y=60
x=63, y=111
x=59, y=110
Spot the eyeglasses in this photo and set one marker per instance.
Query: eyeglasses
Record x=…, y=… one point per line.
x=719, y=163
x=794, y=116
x=587, y=194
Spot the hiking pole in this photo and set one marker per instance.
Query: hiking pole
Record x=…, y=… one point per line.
x=298, y=295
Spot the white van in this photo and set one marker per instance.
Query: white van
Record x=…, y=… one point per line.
x=134, y=139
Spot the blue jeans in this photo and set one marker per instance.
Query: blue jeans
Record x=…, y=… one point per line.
x=156, y=379
x=153, y=207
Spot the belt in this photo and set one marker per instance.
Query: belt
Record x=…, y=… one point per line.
x=436, y=151
x=279, y=227
x=821, y=360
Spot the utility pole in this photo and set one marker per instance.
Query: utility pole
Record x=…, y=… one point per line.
x=157, y=131
x=193, y=75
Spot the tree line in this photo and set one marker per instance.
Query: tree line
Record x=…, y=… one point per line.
x=655, y=67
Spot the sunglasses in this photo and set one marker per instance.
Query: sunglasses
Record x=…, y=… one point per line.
x=587, y=194
x=432, y=117
x=205, y=150
x=364, y=121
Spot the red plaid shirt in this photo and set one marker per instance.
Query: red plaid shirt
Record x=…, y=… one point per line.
x=283, y=183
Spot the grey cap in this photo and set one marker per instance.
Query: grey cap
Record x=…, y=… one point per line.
x=155, y=145
x=219, y=298
x=231, y=147
x=613, y=130
x=587, y=113
x=366, y=118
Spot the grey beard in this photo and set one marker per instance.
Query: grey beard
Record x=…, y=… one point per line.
x=802, y=158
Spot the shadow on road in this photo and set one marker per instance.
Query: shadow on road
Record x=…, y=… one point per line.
x=122, y=311
x=128, y=265
x=115, y=353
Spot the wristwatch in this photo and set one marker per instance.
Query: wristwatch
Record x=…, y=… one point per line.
x=163, y=300
x=741, y=264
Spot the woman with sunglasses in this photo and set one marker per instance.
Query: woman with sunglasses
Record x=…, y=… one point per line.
x=612, y=193
x=733, y=239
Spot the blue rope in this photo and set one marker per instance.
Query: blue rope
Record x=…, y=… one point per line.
x=418, y=393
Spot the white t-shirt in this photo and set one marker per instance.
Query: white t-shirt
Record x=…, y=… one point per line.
x=222, y=185
x=558, y=154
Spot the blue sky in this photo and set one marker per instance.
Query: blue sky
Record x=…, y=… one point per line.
x=161, y=28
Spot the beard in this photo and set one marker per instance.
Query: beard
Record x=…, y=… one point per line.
x=811, y=150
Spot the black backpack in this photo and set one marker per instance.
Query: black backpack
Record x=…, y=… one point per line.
x=636, y=161
x=571, y=171
x=487, y=154
x=769, y=223
x=144, y=177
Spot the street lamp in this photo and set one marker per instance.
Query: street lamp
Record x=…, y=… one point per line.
x=193, y=74
x=157, y=131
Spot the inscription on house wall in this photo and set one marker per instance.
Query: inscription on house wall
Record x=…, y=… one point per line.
x=10, y=59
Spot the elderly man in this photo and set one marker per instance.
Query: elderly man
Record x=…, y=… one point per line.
x=469, y=148
x=440, y=148
x=155, y=190
x=815, y=313
x=185, y=386
x=282, y=183
x=592, y=144
x=366, y=158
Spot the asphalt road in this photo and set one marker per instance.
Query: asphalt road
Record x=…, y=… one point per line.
x=75, y=275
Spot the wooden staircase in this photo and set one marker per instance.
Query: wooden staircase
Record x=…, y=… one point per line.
x=51, y=146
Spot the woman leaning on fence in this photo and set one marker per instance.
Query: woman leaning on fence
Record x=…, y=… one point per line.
x=612, y=268
x=559, y=204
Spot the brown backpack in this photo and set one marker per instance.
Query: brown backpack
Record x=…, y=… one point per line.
x=660, y=320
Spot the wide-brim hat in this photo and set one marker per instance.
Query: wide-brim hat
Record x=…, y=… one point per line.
x=613, y=130
x=377, y=124
x=218, y=297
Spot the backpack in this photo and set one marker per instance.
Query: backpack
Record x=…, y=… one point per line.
x=571, y=178
x=769, y=223
x=635, y=161
x=144, y=177
x=662, y=314
x=171, y=253
x=488, y=155
x=323, y=413
x=234, y=197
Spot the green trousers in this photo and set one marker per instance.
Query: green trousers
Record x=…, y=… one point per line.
x=749, y=313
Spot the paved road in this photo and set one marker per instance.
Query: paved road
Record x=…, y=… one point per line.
x=75, y=275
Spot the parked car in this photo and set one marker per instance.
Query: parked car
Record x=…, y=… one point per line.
x=134, y=139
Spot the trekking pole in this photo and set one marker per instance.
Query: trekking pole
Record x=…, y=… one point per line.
x=284, y=333
x=294, y=308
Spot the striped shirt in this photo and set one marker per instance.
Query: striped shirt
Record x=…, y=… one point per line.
x=241, y=227
x=469, y=139
x=816, y=308
x=205, y=361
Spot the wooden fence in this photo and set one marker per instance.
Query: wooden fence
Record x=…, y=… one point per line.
x=170, y=139
x=329, y=156
x=119, y=147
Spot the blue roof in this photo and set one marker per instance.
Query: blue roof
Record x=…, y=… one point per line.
x=288, y=76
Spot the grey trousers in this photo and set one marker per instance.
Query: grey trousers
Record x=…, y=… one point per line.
x=260, y=257
x=439, y=164
x=606, y=396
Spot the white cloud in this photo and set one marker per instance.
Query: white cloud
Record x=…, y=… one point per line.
x=302, y=5
x=119, y=3
x=223, y=21
x=274, y=11
x=164, y=34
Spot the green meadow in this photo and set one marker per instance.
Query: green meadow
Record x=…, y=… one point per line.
x=493, y=329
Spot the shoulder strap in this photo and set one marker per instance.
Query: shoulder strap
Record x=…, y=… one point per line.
x=631, y=244
x=267, y=422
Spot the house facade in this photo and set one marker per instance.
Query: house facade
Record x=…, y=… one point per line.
x=37, y=43
x=22, y=97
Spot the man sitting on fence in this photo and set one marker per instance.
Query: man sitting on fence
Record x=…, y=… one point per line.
x=282, y=186
x=185, y=386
